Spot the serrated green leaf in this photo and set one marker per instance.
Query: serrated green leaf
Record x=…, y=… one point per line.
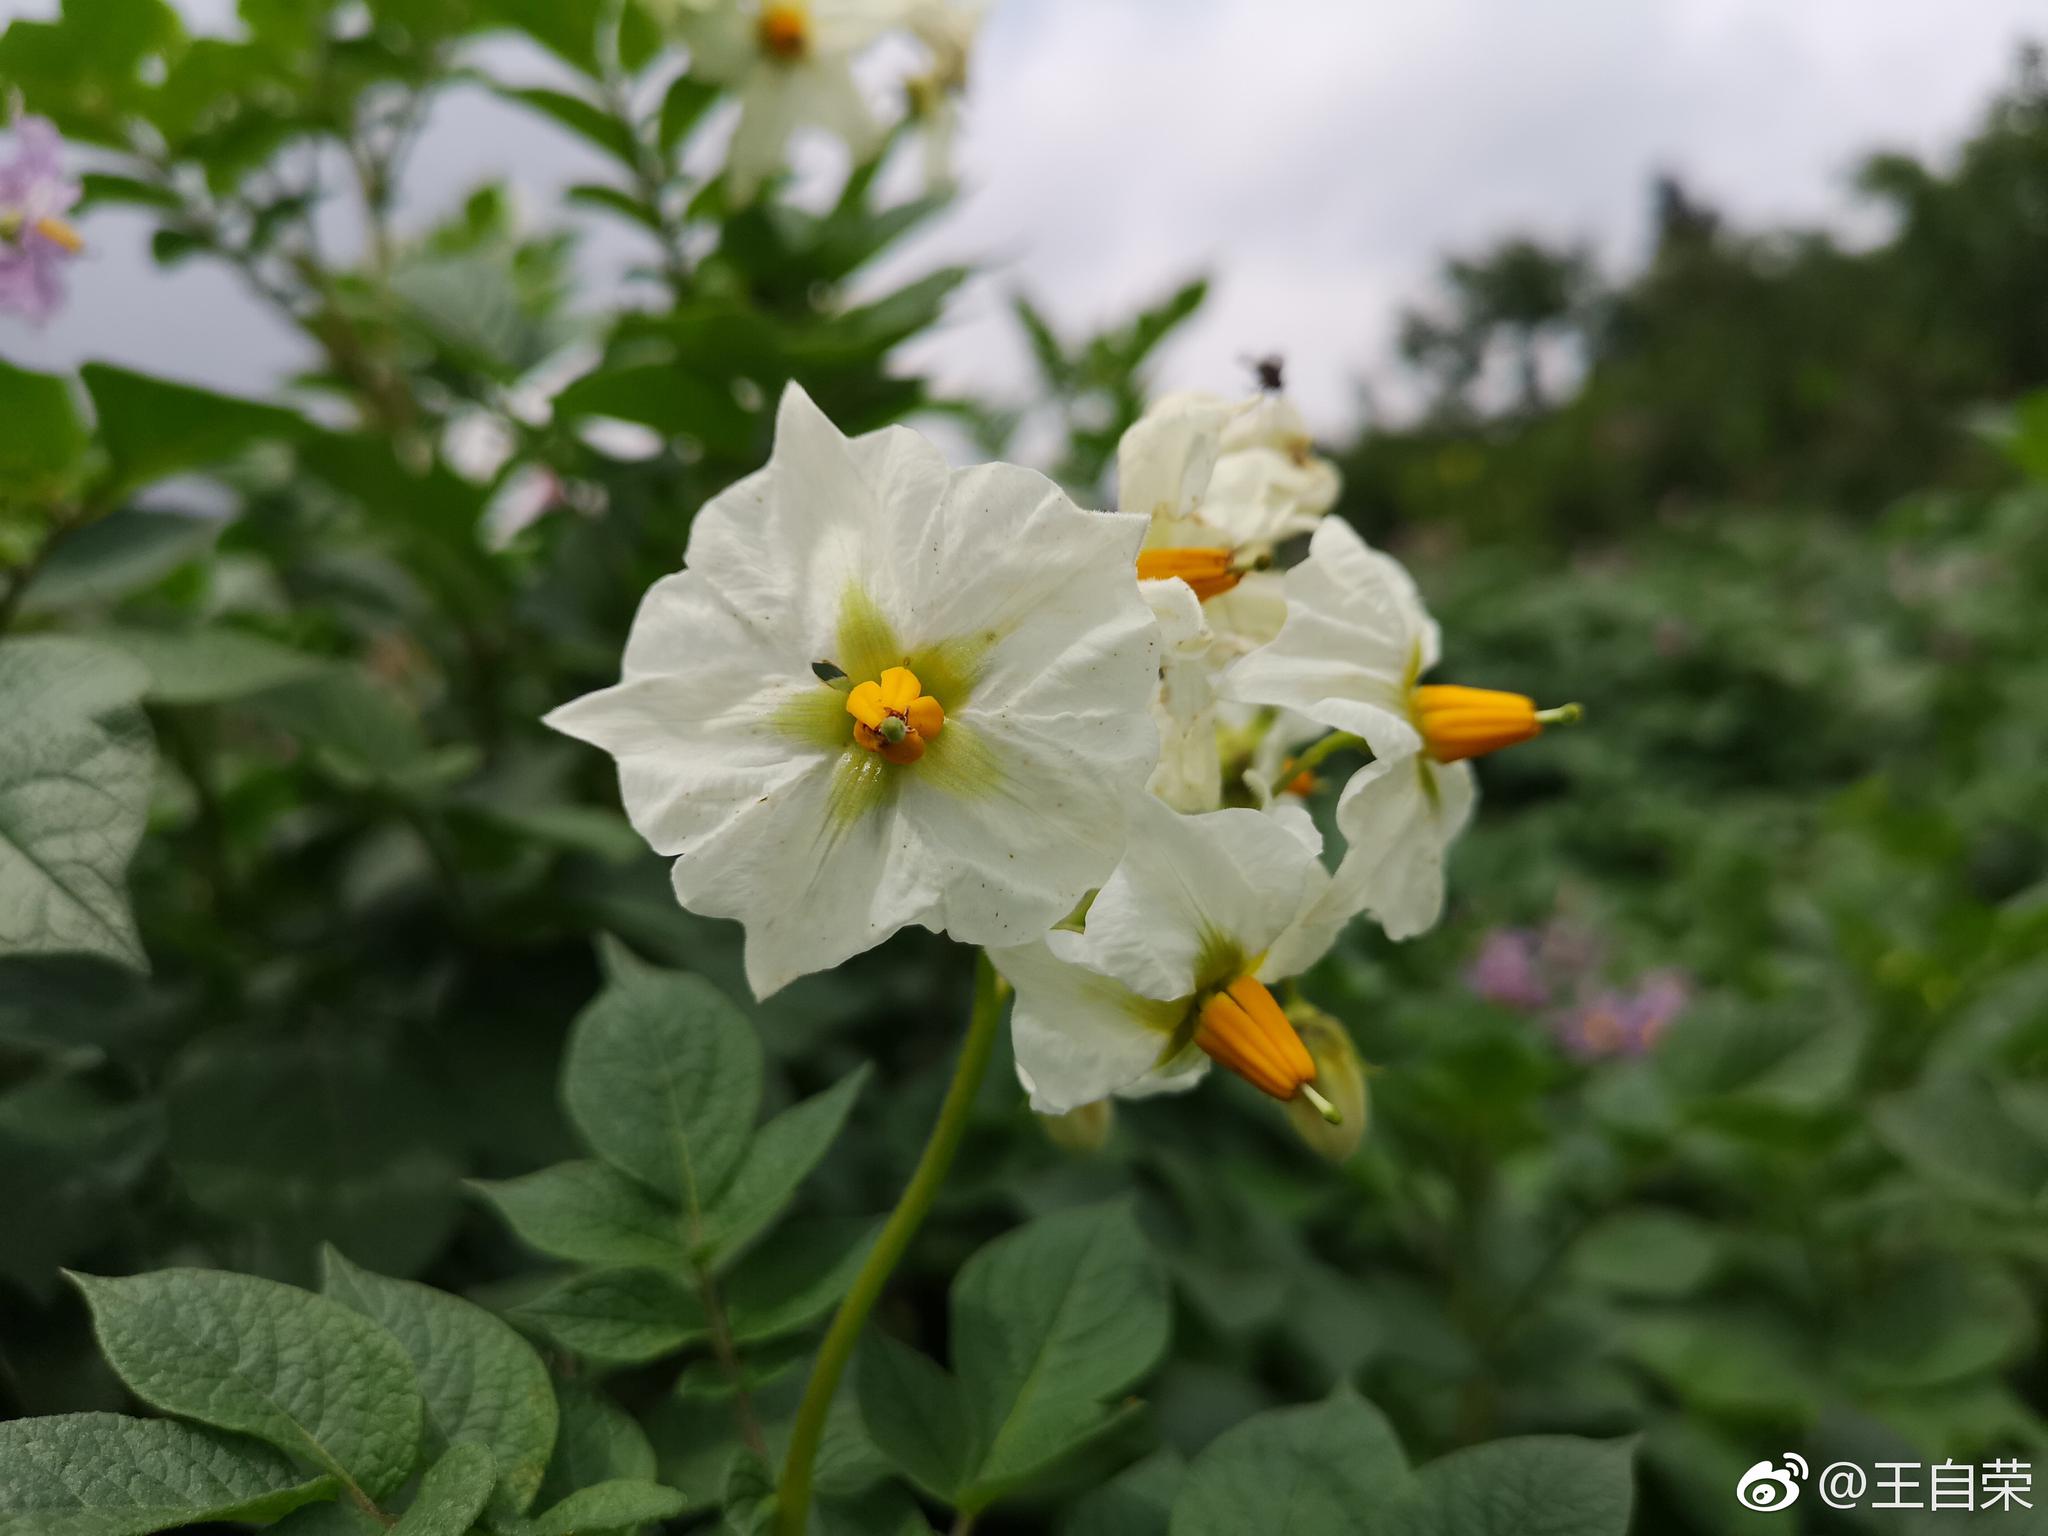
x=205, y=666
x=76, y=765
x=1311, y=1471
x=663, y=1080
x=480, y=1381
x=916, y=1413
x=589, y=1213
x=41, y=435
x=452, y=1494
x=778, y=1158
x=619, y=1316
x=104, y=1474
x=1544, y=1485
x=155, y=427
x=1049, y=1323
x=620, y=1504
x=304, y=1373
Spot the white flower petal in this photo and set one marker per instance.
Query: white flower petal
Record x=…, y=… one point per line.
x=1186, y=883
x=1078, y=1035
x=1190, y=772
x=771, y=106
x=1355, y=639
x=737, y=760
x=1165, y=460
x=1399, y=819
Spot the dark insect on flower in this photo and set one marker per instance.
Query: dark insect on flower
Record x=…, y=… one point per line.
x=1271, y=372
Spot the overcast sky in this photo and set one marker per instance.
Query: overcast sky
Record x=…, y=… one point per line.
x=1315, y=157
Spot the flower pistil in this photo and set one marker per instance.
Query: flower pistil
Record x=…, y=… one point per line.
x=894, y=716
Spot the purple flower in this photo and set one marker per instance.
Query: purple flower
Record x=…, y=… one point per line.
x=1624, y=1021
x=35, y=241
x=1505, y=970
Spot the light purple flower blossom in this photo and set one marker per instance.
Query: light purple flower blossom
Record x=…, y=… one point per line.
x=1505, y=971
x=35, y=241
x=1624, y=1021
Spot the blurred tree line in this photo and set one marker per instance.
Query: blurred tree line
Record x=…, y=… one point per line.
x=1783, y=365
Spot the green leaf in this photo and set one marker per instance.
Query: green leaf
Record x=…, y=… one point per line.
x=598, y=1441
x=300, y=1371
x=1136, y=1502
x=619, y=1316
x=1311, y=1471
x=1919, y=1322
x=580, y=117
x=1957, y=1133
x=569, y=30
x=663, y=1080
x=154, y=427
x=1544, y=1485
x=98, y=187
x=41, y=436
x=452, y=1494
x=358, y=731
x=777, y=1160
x=123, y=552
x=916, y=1413
x=682, y=108
x=76, y=764
x=620, y=1504
x=205, y=666
x=1048, y=1323
x=313, y=1140
x=480, y=1381
x=593, y=194
x=1648, y=1252
x=104, y=1474
x=674, y=399
x=795, y=1277
x=588, y=1213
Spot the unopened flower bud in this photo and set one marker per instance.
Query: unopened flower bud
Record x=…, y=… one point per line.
x=1081, y=1130
x=1340, y=1077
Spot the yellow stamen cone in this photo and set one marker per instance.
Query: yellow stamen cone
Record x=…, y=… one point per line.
x=1243, y=1028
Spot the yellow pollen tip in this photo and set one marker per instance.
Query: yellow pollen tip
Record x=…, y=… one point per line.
x=784, y=30
x=58, y=233
x=1211, y=572
x=1243, y=1028
x=894, y=716
x=1457, y=723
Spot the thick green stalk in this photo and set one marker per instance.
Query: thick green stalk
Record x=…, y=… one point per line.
x=793, y=1499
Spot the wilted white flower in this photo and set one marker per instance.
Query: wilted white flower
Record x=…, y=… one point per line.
x=1171, y=966
x=1350, y=657
x=883, y=693
x=790, y=63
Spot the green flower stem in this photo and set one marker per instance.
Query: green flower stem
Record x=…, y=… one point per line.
x=793, y=1505
x=1309, y=761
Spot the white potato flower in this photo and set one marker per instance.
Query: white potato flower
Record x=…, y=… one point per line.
x=790, y=64
x=947, y=29
x=1170, y=969
x=884, y=693
x=1207, y=475
x=1350, y=657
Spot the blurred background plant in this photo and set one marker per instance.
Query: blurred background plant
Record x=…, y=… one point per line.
x=1717, y=1112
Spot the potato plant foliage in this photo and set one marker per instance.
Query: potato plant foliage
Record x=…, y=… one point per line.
x=383, y=1149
